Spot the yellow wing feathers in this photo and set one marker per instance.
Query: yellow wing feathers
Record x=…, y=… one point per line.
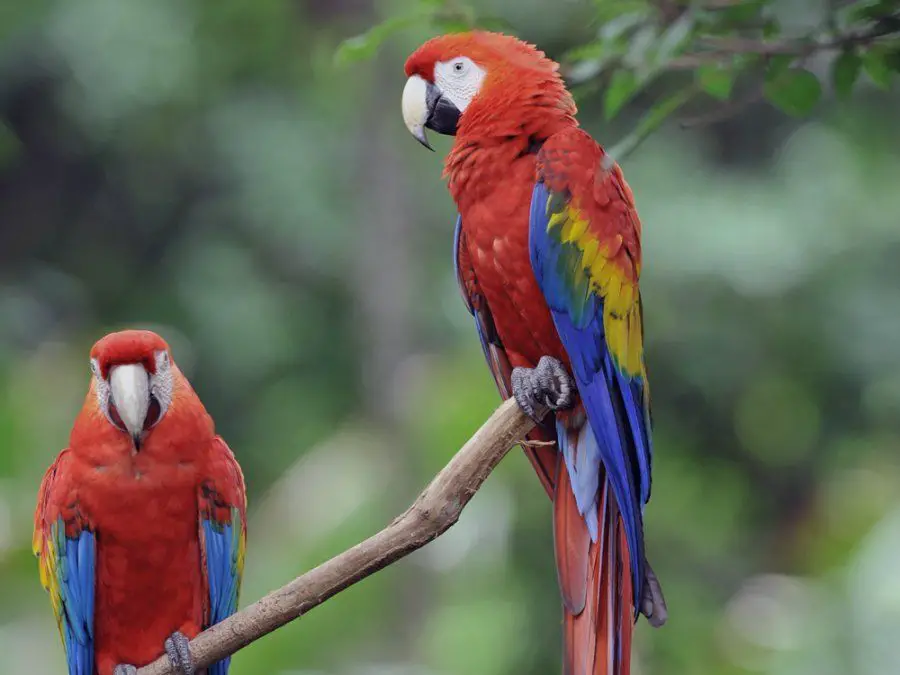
x=602, y=267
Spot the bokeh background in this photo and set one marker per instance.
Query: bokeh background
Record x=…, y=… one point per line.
x=202, y=168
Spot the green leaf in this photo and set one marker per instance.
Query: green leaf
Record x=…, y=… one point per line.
x=585, y=52
x=640, y=45
x=658, y=114
x=674, y=37
x=776, y=65
x=844, y=72
x=584, y=71
x=743, y=62
x=362, y=47
x=598, y=49
x=716, y=80
x=771, y=28
x=795, y=91
x=744, y=12
x=622, y=86
x=875, y=63
x=892, y=59
x=619, y=25
x=872, y=9
x=611, y=15
x=612, y=40
x=649, y=123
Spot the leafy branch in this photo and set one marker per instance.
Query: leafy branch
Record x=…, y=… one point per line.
x=720, y=43
x=435, y=511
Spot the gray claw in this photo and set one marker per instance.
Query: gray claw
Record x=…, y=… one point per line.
x=653, y=604
x=521, y=387
x=125, y=669
x=548, y=385
x=179, y=653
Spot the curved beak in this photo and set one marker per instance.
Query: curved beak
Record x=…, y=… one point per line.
x=130, y=392
x=425, y=107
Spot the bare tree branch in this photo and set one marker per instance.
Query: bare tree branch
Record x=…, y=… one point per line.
x=433, y=513
x=720, y=48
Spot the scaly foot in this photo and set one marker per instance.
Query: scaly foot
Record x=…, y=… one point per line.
x=547, y=385
x=177, y=650
x=179, y=653
x=653, y=604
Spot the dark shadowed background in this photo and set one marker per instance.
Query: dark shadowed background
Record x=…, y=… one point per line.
x=202, y=168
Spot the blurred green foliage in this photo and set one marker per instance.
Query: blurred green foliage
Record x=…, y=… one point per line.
x=632, y=44
x=202, y=168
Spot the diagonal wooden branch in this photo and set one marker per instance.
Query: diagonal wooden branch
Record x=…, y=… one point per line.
x=433, y=513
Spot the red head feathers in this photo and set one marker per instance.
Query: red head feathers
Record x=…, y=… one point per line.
x=140, y=392
x=482, y=85
x=128, y=346
x=493, y=51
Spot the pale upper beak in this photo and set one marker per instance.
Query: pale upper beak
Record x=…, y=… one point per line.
x=415, y=108
x=425, y=107
x=130, y=392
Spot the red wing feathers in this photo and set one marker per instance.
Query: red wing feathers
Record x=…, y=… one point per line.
x=572, y=544
x=543, y=454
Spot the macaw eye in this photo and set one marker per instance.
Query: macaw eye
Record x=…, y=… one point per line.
x=459, y=66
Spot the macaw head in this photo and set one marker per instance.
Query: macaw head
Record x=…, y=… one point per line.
x=133, y=381
x=465, y=81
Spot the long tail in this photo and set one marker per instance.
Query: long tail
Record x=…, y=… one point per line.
x=595, y=582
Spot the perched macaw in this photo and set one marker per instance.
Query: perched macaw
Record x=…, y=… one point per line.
x=548, y=254
x=140, y=527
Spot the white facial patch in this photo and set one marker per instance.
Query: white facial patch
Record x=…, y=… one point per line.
x=459, y=80
x=161, y=382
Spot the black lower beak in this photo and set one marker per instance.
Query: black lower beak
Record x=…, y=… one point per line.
x=137, y=438
x=443, y=116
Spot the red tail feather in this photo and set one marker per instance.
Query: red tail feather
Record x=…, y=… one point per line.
x=595, y=583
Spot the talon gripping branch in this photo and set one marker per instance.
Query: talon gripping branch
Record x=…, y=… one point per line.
x=548, y=256
x=140, y=522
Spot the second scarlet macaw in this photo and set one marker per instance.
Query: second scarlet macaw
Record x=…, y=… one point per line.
x=140, y=526
x=548, y=256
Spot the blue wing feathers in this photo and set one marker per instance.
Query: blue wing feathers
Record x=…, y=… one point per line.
x=86, y=557
x=212, y=571
x=582, y=457
x=222, y=541
x=617, y=433
x=71, y=584
x=75, y=573
x=633, y=400
x=538, y=217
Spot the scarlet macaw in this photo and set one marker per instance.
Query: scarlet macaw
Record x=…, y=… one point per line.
x=548, y=255
x=140, y=527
